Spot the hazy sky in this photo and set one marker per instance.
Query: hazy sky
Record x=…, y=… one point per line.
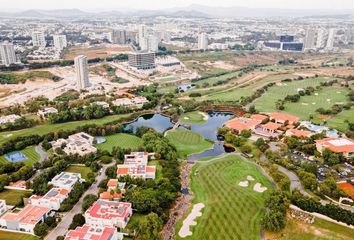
x=158, y=4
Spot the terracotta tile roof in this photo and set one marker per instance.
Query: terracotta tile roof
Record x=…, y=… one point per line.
x=271, y=126
x=240, y=124
x=112, y=183
x=284, y=117
x=122, y=170
x=260, y=117
x=107, y=195
x=338, y=145
x=299, y=133
x=104, y=209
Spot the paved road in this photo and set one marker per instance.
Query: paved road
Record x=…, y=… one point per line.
x=42, y=154
x=63, y=226
x=295, y=182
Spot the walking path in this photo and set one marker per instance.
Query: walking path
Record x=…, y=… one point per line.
x=42, y=154
x=63, y=226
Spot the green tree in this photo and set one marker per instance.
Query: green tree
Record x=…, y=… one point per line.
x=41, y=229
x=149, y=227
x=78, y=220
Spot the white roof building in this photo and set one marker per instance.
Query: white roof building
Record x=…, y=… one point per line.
x=9, y=118
x=66, y=180
x=52, y=199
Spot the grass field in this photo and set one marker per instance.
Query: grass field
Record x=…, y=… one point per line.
x=192, y=118
x=83, y=170
x=158, y=168
x=340, y=120
x=266, y=103
x=122, y=140
x=319, y=230
x=231, y=212
x=30, y=153
x=16, y=236
x=230, y=95
x=307, y=105
x=188, y=142
x=213, y=80
x=12, y=197
x=46, y=128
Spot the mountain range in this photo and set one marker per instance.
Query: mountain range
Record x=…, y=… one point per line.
x=196, y=11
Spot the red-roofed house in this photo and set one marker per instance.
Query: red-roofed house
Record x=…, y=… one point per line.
x=109, y=214
x=298, y=133
x=87, y=232
x=239, y=124
x=283, y=117
x=259, y=117
x=135, y=165
x=107, y=195
x=269, y=129
x=52, y=199
x=24, y=220
x=337, y=145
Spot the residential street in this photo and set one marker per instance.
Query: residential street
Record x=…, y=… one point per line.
x=63, y=226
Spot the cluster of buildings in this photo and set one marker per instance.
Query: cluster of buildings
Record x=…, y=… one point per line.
x=285, y=43
x=79, y=143
x=319, y=39
x=44, y=113
x=135, y=102
x=136, y=165
x=38, y=208
x=276, y=124
x=9, y=118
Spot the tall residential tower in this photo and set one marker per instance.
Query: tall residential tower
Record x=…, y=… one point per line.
x=81, y=67
x=60, y=42
x=7, y=53
x=38, y=39
x=203, y=41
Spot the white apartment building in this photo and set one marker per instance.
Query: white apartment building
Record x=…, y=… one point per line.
x=153, y=44
x=82, y=74
x=118, y=37
x=60, y=42
x=203, y=41
x=52, y=199
x=66, y=180
x=321, y=38
x=105, y=213
x=330, y=39
x=310, y=39
x=142, y=33
x=136, y=165
x=38, y=39
x=7, y=53
x=3, y=207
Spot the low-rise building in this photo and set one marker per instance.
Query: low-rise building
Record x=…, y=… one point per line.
x=24, y=220
x=3, y=207
x=9, y=118
x=239, y=124
x=136, y=165
x=87, y=232
x=268, y=130
x=298, y=133
x=66, y=180
x=109, y=214
x=115, y=190
x=283, y=117
x=44, y=113
x=136, y=102
x=79, y=143
x=52, y=199
x=344, y=146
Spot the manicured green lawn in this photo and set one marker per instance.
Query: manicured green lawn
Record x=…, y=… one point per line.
x=12, y=197
x=230, y=95
x=16, y=236
x=213, y=80
x=122, y=140
x=341, y=120
x=319, y=230
x=158, y=168
x=192, y=118
x=326, y=98
x=230, y=212
x=83, y=170
x=30, y=153
x=46, y=128
x=188, y=142
x=266, y=103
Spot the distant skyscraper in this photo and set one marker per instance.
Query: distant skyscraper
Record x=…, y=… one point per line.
x=81, y=67
x=142, y=32
x=7, y=53
x=60, y=42
x=330, y=39
x=348, y=36
x=38, y=39
x=144, y=44
x=118, y=37
x=153, y=43
x=321, y=38
x=310, y=39
x=203, y=41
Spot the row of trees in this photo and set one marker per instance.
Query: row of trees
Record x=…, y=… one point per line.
x=20, y=123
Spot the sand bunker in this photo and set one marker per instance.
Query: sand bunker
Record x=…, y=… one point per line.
x=189, y=221
x=328, y=100
x=339, y=92
x=186, y=118
x=243, y=184
x=316, y=94
x=305, y=104
x=250, y=178
x=205, y=116
x=258, y=188
x=313, y=103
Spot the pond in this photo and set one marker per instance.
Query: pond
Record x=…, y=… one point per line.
x=158, y=122
x=209, y=129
